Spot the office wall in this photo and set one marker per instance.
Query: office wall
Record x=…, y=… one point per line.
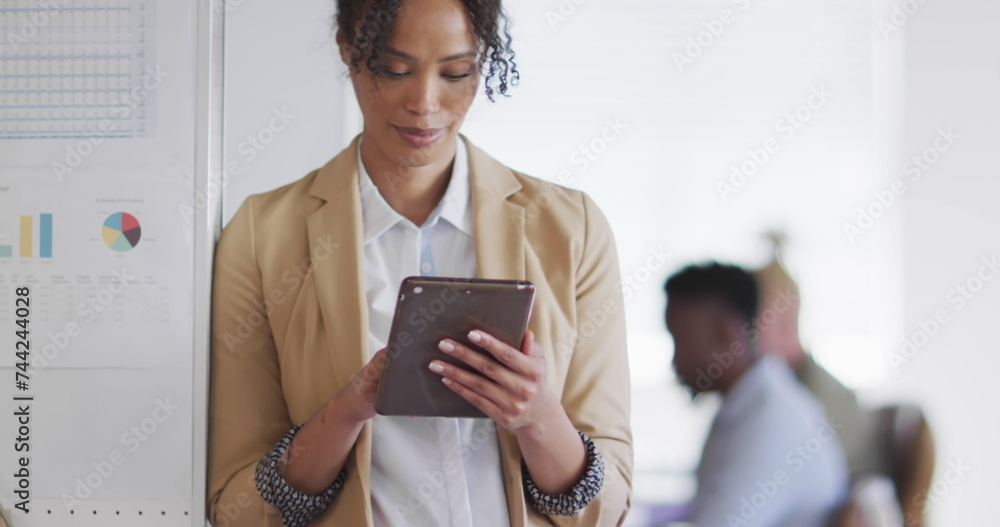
x=284, y=87
x=951, y=224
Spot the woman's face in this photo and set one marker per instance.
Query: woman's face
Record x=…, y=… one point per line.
x=414, y=112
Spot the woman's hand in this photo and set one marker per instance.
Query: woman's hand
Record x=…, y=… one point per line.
x=320, y=448
x=355, y=402
x=512, y=387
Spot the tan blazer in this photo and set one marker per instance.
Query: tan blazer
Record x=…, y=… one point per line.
x=290, y=328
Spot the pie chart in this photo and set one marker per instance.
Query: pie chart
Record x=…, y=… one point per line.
x=121, y=232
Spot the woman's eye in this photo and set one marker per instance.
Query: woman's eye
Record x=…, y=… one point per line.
x=394, y=74
x=457, y=77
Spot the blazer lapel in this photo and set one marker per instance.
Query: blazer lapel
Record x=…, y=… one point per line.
x=498, y=225
x=340, y=284
x=339, y=279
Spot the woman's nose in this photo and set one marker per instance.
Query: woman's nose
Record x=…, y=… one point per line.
x=423, y=97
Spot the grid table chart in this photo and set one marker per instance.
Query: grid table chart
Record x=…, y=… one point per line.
x=76, y=69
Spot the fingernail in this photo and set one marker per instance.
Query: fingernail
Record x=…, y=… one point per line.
x=446, y=346
x=474, y=336
x=435, y=367
x=446, y=380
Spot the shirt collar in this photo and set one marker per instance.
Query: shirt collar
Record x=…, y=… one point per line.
x=455, y=206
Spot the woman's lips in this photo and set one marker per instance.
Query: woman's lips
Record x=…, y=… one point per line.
x=419, y=137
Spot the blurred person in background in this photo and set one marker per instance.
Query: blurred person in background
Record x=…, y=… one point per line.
x=777, y=335
x=771, y=457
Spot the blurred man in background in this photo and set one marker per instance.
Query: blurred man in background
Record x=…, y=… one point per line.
x=771, y=458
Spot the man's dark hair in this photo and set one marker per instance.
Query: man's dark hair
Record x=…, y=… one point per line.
x=367, y=24
x=728, y=283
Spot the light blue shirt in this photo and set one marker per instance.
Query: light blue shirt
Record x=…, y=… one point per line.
x=772, y=458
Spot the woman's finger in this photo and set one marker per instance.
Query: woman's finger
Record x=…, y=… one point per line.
x=507, y=355
x=482, y=362
x=474, y=382
x=529, y=346
x=486, y=405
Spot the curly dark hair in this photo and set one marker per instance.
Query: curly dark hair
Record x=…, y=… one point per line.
x=366, y=25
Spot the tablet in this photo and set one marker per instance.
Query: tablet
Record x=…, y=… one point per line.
x=429, y=309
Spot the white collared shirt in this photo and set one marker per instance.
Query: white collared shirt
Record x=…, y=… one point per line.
x=426, y=470
x=771, y=458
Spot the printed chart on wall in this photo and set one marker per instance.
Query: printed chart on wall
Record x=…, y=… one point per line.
x=98, y=123
x=96, y=157
x=108, y=253
x=83, y=83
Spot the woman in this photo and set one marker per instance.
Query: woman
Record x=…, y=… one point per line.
x=305, y=283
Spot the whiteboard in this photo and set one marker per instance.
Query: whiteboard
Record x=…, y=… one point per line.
x=110, y=137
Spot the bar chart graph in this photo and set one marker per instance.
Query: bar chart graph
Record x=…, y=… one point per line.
x=26, y=231
x=26, y=238
x=45, y=235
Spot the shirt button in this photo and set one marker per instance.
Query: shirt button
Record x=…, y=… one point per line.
x=426, y=267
